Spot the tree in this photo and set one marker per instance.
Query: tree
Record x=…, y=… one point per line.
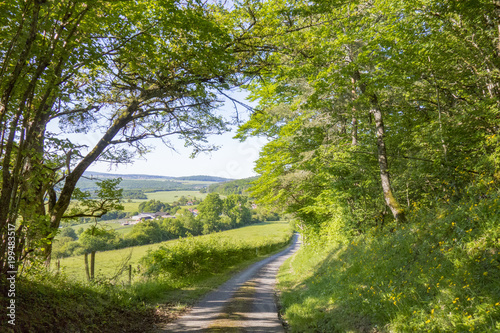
x=235, y=208
x=147, y=232
x=153, y=206
x=210, y=210
x=125, y=70
x=190, y=223
x=96, y=239
x=349, y=90
x=173, y=227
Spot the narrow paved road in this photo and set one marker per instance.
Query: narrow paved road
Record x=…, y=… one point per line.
x=245, y=303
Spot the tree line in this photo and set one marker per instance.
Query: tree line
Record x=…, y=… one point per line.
x=239, y=186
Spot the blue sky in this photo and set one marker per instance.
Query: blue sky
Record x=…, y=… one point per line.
x=233, y=159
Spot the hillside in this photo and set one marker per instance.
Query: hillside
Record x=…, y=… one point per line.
x=238, y=186
x=202, y=178
x=149, y=182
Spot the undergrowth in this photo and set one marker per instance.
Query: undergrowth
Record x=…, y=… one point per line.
x=439, y=272
x=51, y=303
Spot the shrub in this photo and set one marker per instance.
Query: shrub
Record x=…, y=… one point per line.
x=207, y=255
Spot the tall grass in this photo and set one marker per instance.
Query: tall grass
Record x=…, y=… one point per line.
x=440, y=272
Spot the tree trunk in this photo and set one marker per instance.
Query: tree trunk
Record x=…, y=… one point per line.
x=86, y=257
x=354, y=131
x=354, y=122
x=62, y=203
x=390, y=200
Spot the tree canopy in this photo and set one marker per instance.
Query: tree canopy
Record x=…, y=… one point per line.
x=373, y=107
x=124, y=71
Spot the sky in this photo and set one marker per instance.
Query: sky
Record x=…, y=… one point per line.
x=234, y=159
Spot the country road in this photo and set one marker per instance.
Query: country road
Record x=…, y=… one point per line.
x=245, y=303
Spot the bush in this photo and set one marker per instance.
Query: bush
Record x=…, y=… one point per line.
x=202, y=256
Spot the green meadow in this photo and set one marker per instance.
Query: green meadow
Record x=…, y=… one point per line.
x=163, y=196
x=108, y=263
x=171, y=196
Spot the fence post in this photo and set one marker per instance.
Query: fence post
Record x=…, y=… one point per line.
x=92, y=264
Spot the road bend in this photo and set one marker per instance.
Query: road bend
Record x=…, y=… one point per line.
x=245, y=303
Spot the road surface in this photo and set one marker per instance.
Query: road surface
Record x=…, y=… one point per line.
x=245, y=303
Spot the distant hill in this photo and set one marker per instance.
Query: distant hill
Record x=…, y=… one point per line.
x=238, y=186
x=203, y=178
x=149, y=183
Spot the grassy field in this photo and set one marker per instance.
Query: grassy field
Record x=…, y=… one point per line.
x=108, y=262
x=163, y=196
x=112, y=224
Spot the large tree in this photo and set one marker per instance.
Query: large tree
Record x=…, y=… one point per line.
x=408, y=91
x=123, y=70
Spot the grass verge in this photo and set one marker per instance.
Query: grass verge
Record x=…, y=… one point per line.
x=440, y=272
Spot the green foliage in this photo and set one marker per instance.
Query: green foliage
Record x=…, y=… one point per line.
x=134, y=194
x=153, y=206
x=97, y=238
x=437, y=273
x=196, y=257
x=68, y=232
x=146, y=232
x=239, y=186
x=193, y=225
x=66, y=247
x=209, y=213
x=325, y=82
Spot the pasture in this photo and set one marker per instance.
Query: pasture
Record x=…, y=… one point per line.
x=172, y=196
x=163, y=196
x=108, y=263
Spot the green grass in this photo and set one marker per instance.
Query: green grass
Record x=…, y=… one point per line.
x=171, y=196
x=132, y=206
x=49, y=303
x=65, y=303
x=163, y=196
x=440, y=272
x=108, y=262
